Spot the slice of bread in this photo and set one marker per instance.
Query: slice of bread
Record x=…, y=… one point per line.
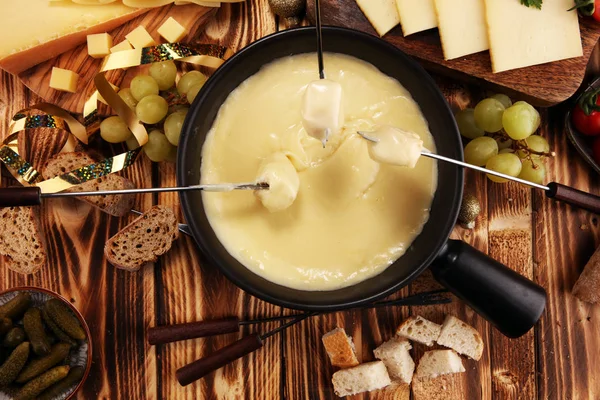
x=142, y=241
x=340, y=348
x=587, y=287
x=395, y=355
x=439, y=362
x=444, y=387
x=362, y=378
x=21, y=240
x=420, y=330
x=117, y=205
x=460, y=337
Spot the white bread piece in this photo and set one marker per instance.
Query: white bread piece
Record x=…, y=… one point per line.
x=362, y=378
x=420, y=330
x=587, y=287
x=40, y=30
x=444, y=387
x=395, y=355
x=340, y=348
x=460, y=337
x=439, y=362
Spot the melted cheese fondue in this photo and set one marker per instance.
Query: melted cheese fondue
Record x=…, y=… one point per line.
x=349, y=217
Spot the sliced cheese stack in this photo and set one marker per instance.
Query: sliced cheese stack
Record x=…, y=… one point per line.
x=462, y=27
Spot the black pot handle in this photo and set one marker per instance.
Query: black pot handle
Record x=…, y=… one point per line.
x=509, y=301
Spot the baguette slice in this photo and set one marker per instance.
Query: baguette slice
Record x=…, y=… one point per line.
x=420, y=330
x=460, y=337
x=362, y=378
x=117, y=205
x=340, y=348
x=439, y=362
x=395, y=355
x=20, y=239
x=142, y=241
x=587, y=287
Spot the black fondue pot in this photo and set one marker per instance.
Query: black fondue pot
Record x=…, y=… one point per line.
x=512, y=303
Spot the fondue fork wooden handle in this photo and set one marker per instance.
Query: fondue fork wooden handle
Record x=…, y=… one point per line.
x=18, y=196
x=509, y=301
x=577, y=198
x=192, y=330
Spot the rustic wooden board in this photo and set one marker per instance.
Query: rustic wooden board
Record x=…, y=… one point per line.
x=544, y=85
x=548, y=241
x=192, y=17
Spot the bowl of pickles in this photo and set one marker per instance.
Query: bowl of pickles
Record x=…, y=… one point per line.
x=45, y=346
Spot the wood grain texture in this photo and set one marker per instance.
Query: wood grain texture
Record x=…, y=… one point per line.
x=544, y=85
x=547, y=241
x=192, y=17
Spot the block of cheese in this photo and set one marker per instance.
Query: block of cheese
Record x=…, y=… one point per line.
x=41, y=30
x=172, y=31
x=99, y=45
x=63, y=80
x=140, y=38
x=124, y=45
x=416, y=15
x=382, y=14
x=523, y=36
x=462, y=27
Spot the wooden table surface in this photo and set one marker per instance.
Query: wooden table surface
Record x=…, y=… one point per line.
x=543, y=240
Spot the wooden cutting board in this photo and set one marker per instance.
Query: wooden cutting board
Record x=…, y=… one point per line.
x=542, y=85
x=193, y=17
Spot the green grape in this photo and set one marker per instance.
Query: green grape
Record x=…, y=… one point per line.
x=142, y=86
x=193, y=91
x=466, y=124
x=505, y=151
x=480, y=150
x=132, y=143
x=152, y=109
x=502, y=98
x=506, y=163
x=535, y=143
x=520, y=120
x=158, y=147
x=172, y=156
x=533, y=171
x=488, y=115
x=164, y=73
x=188, y=80
x=114, y=130
x=503, y=143
x=128, y=98
x=173, y=125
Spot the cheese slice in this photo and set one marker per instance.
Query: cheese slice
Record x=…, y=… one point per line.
x=382, y=14
x=41, y=30
x=520, y=36
x=416, y=15
x=462, y=27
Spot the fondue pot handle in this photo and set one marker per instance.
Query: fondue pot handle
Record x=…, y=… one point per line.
x=509, y=301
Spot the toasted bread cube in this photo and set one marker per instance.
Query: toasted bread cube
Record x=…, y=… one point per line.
x=140, y=38
x=99, y=45
x=362, y=378
x=439, y=362
x=340, y=348
x=64, y=80
x=395, y=355
x=460, y=337
x=420, y=330
x=172, y=31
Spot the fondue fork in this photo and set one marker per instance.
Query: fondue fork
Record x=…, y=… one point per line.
x=553, y=190
x=33, y=195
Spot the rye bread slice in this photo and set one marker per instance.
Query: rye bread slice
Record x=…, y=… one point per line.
x=144, y=240
x=117, y=205
x=21, y=242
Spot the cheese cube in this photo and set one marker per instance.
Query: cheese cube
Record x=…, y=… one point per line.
x=101, y=99
x=63, y=80
x=416, y=15
x=99, y=45
x=124, y=45
x=140, y=38
x=522, y=36
x=462, y=27
x=381, y=13
x=172, y=30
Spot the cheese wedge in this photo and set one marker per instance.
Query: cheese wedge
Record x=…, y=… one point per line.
x=416, y=15
x=462, y=27
x=381, y=13
x=520, y=36
x=40, y=30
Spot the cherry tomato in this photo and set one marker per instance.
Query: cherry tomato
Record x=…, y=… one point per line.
x=596, y=14
x=586, y=124
x=596, y=150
